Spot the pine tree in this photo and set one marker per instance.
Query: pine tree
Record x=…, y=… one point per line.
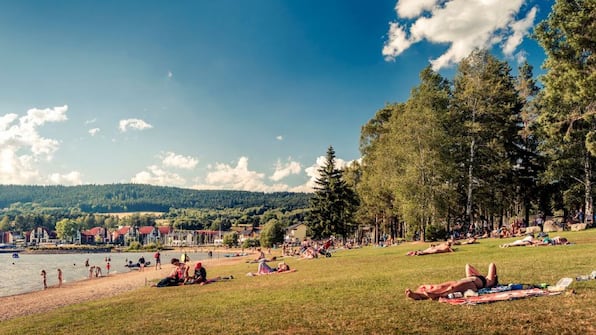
x=568, y=115
x=333, y=203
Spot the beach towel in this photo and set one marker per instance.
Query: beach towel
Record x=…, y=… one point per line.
x=499, y=296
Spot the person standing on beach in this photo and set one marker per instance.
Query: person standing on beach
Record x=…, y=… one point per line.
x=108, y=266
x=141, y=263
x=184, y=258
x=59, y=278
x=44, y=279
x=157, y=257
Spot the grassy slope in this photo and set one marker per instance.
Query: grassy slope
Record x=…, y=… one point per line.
x=353, y=292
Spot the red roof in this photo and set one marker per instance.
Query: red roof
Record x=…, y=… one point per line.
x=121, y=231
x=124, y=230
x=93, y=231
x=164, y=230
x=146, y=230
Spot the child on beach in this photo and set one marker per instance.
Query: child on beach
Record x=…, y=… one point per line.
x=44, y=279
x=108, y=266
x=59, y=278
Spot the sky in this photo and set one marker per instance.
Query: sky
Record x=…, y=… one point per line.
x=234, y=95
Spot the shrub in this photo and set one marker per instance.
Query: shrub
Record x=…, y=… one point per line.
x=134, y=245
x=251, y=243
x=230, y=239
x=435, y=232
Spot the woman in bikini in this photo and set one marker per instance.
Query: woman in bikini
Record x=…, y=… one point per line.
x=474, y=281
x=434, y=249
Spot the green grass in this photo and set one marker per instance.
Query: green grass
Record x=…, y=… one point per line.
x=354, y=292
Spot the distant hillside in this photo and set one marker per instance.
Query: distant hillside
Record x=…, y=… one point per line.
x=135, y=197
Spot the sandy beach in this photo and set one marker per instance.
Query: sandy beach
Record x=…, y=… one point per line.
x=89, y=289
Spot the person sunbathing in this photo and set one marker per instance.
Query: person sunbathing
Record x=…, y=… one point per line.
x=265, y=269
x=433, y=249
x=470, y=240
x=473, y=281
x=537, y=242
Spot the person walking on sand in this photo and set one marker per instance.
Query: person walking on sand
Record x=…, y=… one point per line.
x=59, y=278
x=44, y=278
x=142, y=263
x=108, y=266
x=157, y=257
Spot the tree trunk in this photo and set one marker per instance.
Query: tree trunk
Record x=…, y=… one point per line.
x=470, y=185
x=588, y=189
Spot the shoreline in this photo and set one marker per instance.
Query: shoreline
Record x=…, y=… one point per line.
x=75, y=292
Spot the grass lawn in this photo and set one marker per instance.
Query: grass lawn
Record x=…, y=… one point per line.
x=354, y=292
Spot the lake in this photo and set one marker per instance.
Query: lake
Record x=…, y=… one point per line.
x=22, y=275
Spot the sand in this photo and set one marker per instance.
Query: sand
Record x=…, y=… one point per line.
x=90, y=289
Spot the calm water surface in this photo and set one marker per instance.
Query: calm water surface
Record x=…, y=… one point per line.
x=22, y=275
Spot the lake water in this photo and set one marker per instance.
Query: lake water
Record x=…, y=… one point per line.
x=22, y=275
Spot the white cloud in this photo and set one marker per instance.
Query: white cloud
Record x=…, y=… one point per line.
x=155, y=175
x=313, y=173
x=91, y=121
x=519, y=30
x=464, y=24
x=413, y=8
x=279, y=138
x=284, y=170
x=179, y=161
x=170, y=74
x=239, y=177
x=94, y=131
x=71, y=178
x=133, y=124
x=22, y=148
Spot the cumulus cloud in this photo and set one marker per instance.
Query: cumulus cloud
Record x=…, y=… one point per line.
x=171, y=159
x=282, y=170
x=279, y=138
x=413, y=8
x=22, y=148
x=93, y=131
x=71, y=178
x=463, y=24
x=227, y=177
x=313, y=173
x=137, y=124
x=155, y=175
x=519, y=29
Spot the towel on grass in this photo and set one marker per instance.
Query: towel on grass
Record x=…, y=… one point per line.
x=499, y=296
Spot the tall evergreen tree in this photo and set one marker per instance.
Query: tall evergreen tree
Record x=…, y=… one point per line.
x=568, y=101
x=333, y=203
x=529, y=163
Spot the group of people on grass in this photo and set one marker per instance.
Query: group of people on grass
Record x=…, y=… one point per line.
x=180, y=275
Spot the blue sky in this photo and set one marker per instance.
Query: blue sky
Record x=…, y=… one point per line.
x=244, y=95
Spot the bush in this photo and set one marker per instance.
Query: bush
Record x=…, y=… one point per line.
x=134, y=245
x=435, y=232
x=230, y=239
x=251, y=243
x=272, y=233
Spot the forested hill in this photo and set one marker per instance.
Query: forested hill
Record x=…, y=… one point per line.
x=135, y=197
